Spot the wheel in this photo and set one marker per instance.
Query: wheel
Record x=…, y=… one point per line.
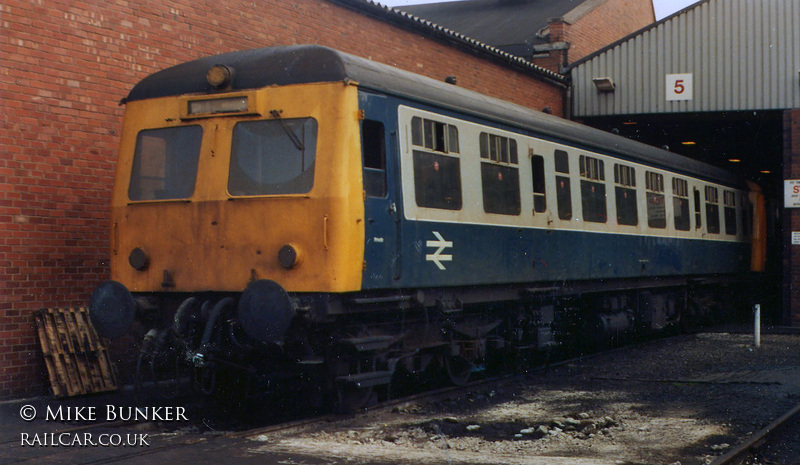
x=458, y=369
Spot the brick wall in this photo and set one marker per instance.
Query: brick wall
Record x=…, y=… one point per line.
x=64, y=67
x=791, y=260
x=612, y=20
x=606, y=22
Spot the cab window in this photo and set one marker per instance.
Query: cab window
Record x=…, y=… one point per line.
x=165, y=163
x=273, y=157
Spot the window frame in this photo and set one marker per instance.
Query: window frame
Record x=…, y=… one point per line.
x=563, y=184
x=497, y=148
x=656, y=200
x=139, y=162
x=681, y=203
x=730, y=212
x=538, y=183
x=594, y=204
x=373, y=158
x=712, y=210
x=500, y=183
x=624, y=186
x=241, y=185
x=434, y=135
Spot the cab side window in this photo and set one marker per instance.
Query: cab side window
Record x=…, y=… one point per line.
x=373, y=149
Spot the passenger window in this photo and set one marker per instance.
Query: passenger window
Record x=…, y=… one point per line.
x=680, y=203
x=373, y=148
x=500, y=175
x=437, y=181
x=625, y=194
x=437, y=176
x=712, y=209
x=593, y=189
x=537, y=174
x=747, y=215
x=698, y=216
x=434, y=135
x=563, y=192
x=498, y=148
x=656, y=205
x=729, y=200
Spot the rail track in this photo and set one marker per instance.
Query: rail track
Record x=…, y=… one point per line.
x=161, y=439
x=184, y=444
x=740, y=453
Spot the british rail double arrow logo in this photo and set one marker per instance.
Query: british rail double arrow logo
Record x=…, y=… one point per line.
x=438, y=257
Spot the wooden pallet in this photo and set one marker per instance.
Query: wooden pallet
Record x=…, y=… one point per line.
x=76, y=358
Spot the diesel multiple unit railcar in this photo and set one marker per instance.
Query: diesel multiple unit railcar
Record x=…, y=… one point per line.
x=296, y=213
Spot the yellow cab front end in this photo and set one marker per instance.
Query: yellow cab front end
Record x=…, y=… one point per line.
x=214, y=192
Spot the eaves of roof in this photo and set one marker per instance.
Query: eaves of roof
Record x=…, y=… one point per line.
x=430, y=29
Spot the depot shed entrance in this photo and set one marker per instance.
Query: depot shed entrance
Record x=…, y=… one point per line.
x=719, y=82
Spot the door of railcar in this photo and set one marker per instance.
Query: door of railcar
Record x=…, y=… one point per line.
x=381, y=208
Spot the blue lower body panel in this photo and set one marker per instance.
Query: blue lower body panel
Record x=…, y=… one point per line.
x=449, y=254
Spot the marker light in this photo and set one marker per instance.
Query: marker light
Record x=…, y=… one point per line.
x=219, y=76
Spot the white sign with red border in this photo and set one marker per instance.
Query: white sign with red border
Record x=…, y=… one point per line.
x=679, y=87
x=791, y=193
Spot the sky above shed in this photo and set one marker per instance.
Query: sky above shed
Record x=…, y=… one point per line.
x=662, y=8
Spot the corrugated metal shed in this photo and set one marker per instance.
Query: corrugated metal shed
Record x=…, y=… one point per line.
x=728, y=54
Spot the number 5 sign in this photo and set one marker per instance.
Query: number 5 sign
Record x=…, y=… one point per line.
x=679, y=87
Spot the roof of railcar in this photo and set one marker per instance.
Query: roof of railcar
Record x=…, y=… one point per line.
x=300, y=64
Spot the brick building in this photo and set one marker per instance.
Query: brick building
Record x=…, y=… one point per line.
x=550, y=33
x=66, y=65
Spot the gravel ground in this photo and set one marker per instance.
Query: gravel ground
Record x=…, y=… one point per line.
x=682, y=400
